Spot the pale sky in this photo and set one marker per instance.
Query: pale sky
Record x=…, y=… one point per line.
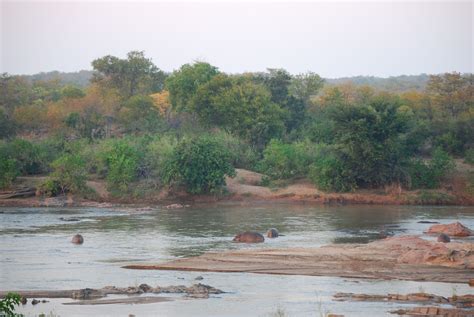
x=333, y=39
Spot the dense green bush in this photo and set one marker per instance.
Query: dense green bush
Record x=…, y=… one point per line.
x=330, y=173
x=200, y=164
x=158, y=153
x=469, y=156
x=428, y=174
x=243, y=154
x=123, y=163
x=8, y=171
x=283, y=160
x=69, y=171
x=25, y=154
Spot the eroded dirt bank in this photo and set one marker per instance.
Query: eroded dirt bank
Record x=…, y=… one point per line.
x=404, y=258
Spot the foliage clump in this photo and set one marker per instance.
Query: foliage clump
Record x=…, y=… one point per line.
x=200, y=164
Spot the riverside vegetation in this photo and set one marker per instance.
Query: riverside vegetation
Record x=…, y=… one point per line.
x=140, y=130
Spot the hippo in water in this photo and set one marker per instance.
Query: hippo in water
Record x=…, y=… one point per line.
x=272, y=233
x=77, y=239
x=444, y=238
x=249, y=237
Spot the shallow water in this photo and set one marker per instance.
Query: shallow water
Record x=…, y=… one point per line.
x=36, y=253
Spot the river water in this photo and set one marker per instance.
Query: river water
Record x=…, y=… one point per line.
x=36, y=253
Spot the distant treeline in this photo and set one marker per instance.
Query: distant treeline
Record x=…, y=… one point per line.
x=394, y=83
x=138, y=127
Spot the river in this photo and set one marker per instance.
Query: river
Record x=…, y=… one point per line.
x=36, y=253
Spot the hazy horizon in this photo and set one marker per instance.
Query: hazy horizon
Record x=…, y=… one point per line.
x=332, y=39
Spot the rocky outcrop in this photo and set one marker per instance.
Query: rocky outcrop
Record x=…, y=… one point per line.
x=456, y=229
x=249, y=237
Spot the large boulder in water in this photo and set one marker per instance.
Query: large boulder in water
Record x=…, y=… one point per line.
x=272, y=233
x=456, y=229
x=249, y=237
x=77, y=239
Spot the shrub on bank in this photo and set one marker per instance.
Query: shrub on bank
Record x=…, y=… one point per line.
x=329, y=172
x=8, y=171
x=428, y=174
x=287, y=160
x=200, y=164
x=69, y=175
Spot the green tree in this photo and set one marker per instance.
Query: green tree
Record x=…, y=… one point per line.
x=239, y=106
x=72, y=92
x=452, y=93
x=139, y=114
x=130, y=76
x=306, y=86
x=200, y=164
x=8, y=126
x=183, y=83
x=369, y=136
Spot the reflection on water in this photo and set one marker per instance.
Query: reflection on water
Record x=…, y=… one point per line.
x=37, y=253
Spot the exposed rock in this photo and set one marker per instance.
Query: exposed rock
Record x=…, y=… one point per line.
x=77, y=239
x=426, y=221
x=23, y=300
x=176, y=206
x=199, y=278
x=453, y=229
x=35, y=301
x=444, y=238
x=413, y=297
x=86, y=293
x=69, y=219
x=249, y=237
x=434, y=312
x=127, y=300
x=462, y=301
x=272, y=233
x=471, y=282
x=145, y=288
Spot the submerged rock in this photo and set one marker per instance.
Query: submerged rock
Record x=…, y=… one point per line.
x=249, y=237
x=444, y=238
x=456, y=229
x=272, y=233
x=77, y=239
